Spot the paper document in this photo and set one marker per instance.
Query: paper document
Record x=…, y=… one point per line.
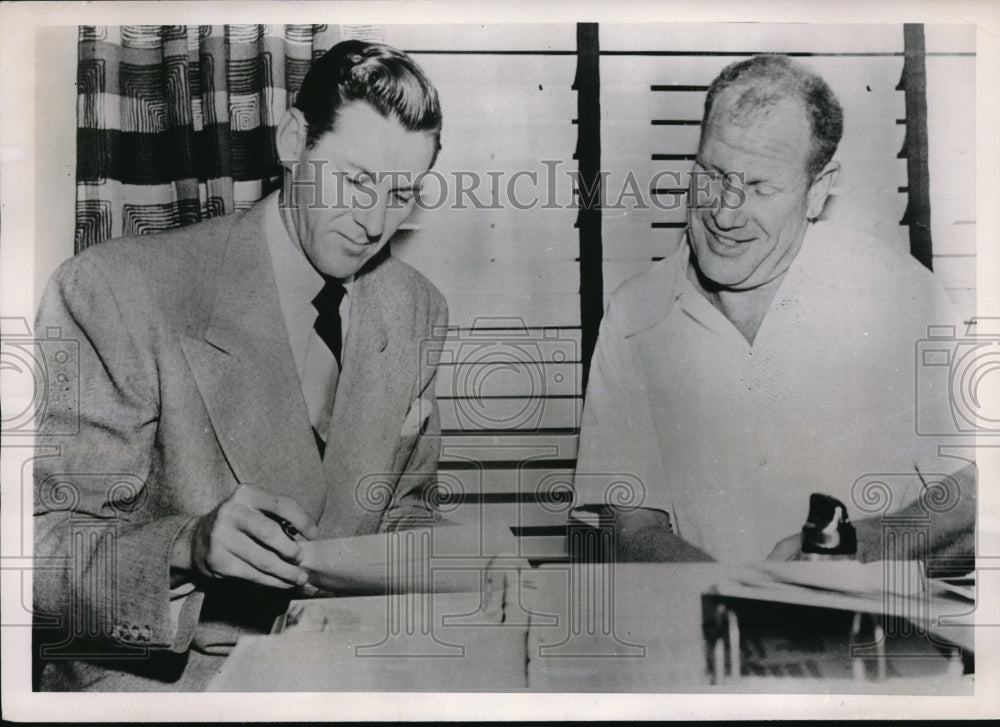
x=442, y=559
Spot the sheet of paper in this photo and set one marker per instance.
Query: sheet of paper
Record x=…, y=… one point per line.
x=442, y=559
x=903, y=578
x=481, y=660
x=460, y=641
x=842, y=584
x=888, y=588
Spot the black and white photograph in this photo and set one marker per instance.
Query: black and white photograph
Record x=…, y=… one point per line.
x=436, y=361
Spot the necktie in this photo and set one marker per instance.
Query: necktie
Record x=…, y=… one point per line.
x=323, y=359
x=327, y=304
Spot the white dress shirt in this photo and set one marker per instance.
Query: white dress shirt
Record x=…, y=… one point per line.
x=731, y=438
x=298, y=284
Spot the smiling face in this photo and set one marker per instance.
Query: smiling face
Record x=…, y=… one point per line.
x=344, y=197
x=741, y=247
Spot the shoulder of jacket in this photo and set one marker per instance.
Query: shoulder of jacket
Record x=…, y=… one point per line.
x=144, y=250
x=397, y=272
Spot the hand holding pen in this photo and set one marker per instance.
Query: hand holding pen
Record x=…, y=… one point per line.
x=253, y=535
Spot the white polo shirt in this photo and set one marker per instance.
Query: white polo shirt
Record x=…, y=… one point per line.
x=731, y=438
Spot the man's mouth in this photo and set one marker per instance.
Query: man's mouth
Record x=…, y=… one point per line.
x=728, y=243
x=353, y=247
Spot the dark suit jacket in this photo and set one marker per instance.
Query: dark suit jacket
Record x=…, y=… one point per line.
x=187, y=388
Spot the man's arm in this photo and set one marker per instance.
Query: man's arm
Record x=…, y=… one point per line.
x=618, y=473
x=109, y=550
x=951, y=530
x=644, y=536
x=103, y=554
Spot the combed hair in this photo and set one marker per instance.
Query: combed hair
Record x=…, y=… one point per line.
x=375, y=73
x=772, y=78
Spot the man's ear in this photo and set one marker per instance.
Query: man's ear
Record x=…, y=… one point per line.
x=291, y=136
x=820, y=190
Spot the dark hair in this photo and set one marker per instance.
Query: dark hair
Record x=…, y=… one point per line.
x=769, y=79
x=356, y=70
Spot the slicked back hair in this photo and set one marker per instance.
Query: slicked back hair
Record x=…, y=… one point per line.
x=375, y=73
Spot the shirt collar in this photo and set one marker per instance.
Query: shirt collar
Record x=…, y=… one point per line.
x=669, y=283
x=654, y=293
x=297, y=280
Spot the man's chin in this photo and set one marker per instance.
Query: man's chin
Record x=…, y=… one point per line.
x=344, y=264
x=723, y=275
x=342, y=271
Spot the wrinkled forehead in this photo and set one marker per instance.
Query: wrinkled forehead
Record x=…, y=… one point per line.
x=761, y=119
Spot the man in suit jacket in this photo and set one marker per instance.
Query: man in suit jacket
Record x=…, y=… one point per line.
x=223, y=391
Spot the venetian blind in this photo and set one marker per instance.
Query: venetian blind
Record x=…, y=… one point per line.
x=951, y=151
x=504, y=253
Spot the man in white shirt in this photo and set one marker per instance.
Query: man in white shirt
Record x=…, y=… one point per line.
x=245, y=383
x=771, y=357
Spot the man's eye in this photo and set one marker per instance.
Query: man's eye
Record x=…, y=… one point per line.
x=363, y=178
x=764, y=190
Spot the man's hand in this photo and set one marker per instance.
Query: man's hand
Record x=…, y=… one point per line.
x=241, y=539
x=789, y=548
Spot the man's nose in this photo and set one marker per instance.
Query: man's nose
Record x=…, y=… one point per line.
x=370, y=214
x=727, y=216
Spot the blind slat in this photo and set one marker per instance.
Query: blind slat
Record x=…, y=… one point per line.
x=510, y=414
x=956, y=272
x=950, y=37
x=508, y=378
x=512, y=514
x=844, y=73
x=507, y=448
x=544, y=483
x=638, y=102
x=756, y=37
x=491, y=70
x=470, y=37
x=536, y=309
x=954, y=239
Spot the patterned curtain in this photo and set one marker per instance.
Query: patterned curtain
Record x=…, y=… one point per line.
x=176, y=123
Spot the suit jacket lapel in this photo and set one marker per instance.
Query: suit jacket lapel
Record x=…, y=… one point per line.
x=367, y=413
x=247, y=377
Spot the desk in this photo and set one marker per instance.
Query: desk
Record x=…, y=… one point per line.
x=557, y=628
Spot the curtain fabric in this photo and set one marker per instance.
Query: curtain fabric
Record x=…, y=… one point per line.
x=175, y=124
